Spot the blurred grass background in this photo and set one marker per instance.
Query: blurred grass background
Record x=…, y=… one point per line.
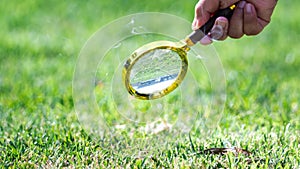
x=39, y=44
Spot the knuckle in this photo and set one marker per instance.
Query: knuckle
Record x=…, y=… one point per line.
x=235, y=35
x=251, y=31
x=223, y=38
x=224, y=3
x=198, y=11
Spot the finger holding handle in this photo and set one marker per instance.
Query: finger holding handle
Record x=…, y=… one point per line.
x=219, y=19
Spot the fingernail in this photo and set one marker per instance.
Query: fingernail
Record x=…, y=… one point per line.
x=206, y=40
x=194, y=24
x=242, y=4
x=217, y=32
x=221, y=23
x=249, y=8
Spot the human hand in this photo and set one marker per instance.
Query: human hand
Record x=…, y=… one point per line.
x=250, y=17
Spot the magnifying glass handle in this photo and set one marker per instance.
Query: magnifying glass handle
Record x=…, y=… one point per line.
x=197, y=35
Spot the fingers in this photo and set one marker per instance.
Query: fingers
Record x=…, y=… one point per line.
x=257, y=15
x=251, y=26
x=245, y=20
x=220, y=29
x=203, y=11
x=206, y=40
x=249, y=17
x=218, y=32
x=236, y=21
x=205, y=8
x=264, y=8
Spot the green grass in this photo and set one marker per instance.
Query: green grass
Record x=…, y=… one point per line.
x=39, y=45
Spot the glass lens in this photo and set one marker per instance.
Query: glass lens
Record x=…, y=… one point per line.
x=155, y=71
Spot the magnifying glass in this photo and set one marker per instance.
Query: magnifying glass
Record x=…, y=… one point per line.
x=156, y=69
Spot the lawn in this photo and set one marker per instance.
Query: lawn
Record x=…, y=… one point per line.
x=39, y=127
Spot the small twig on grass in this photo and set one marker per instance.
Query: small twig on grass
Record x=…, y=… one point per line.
x=222, y=151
